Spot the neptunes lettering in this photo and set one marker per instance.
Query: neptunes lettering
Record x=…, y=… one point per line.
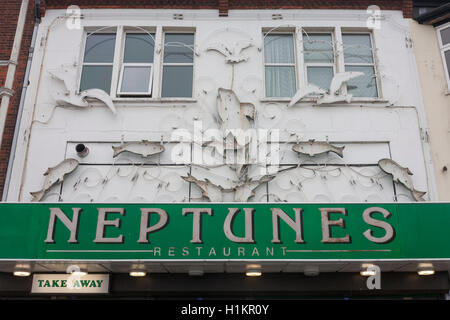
x=199, y=214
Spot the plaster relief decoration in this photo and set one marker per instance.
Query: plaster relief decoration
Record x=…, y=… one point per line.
x=233, y=143
x=125, y=181
x=333, y=95
x=245, y=190
x=70, y=97
x=55, y=175
x=401, y=175
x=209, y=190
x=233, y=114
x=144, y=148
x=234, y=54
x=313, y=148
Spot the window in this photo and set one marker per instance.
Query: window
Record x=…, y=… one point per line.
x=318, y=53
x=444, y=43
x=98, y=61
x=137, y=68
x=279, y=65
x=135, y=62
x=358, y=56
x=178, y=65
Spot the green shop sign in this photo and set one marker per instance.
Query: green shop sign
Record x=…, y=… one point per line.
x=224, y=231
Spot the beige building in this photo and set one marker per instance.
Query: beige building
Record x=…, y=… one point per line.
x=430, y=34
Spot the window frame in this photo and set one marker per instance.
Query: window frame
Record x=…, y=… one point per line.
x=119, y=92
x=112, y=30
x=373, y=64
x=156, y=77
x=339, y=63
x=319, y=64
x=444, y=48
x=294, y=64
x=163, y=64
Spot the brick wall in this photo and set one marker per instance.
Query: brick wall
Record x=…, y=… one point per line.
x=10, y=12
x=224, y=5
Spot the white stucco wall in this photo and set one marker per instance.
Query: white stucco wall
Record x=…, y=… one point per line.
x=389, y=127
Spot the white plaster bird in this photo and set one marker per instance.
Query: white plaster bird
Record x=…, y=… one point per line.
x=233, y=55
x=71, y=98
x=338, y=80
x=303, y=92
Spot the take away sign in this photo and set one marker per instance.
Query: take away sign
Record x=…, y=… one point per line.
x=70, y=283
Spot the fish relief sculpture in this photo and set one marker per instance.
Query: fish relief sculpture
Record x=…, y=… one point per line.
x=234, y=115
x=144, y=148
x=54, y=176
x=313, y=148
x=245, y=191
x=233, y=55
x=70, y=98
x=209, y=190
x=401, y=175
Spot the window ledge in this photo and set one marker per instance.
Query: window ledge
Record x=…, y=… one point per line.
x=314, y=100
x=275, y=99
x=119, y=100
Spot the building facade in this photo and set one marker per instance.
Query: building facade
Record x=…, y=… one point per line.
x=429, y=30
x=225, y=109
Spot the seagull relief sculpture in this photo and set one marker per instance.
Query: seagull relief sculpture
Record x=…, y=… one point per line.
x=70, y=98
x=233, y=55
x=327, y=97
x=401, y=175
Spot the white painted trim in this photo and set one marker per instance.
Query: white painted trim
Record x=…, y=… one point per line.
x=444, y=48
x=140, y=65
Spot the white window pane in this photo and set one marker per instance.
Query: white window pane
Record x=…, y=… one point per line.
x=100, y=47
x=139, y=47
x=445, y=36
x=177, y=81
x=357, y=48
x=96, y=77
x=318, y=47
x=364, y=86
x=178, y=48
x=320, y=76
x=136, y=79
x=280, y=81
x=279, y=48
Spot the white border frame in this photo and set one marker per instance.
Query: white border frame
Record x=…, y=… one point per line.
x=86, y=31
x=444, y=48
x=319, y=64
x=373, y=64
x=123, y=64
x=135, y=93
x=293, y=33
x=170, y=30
